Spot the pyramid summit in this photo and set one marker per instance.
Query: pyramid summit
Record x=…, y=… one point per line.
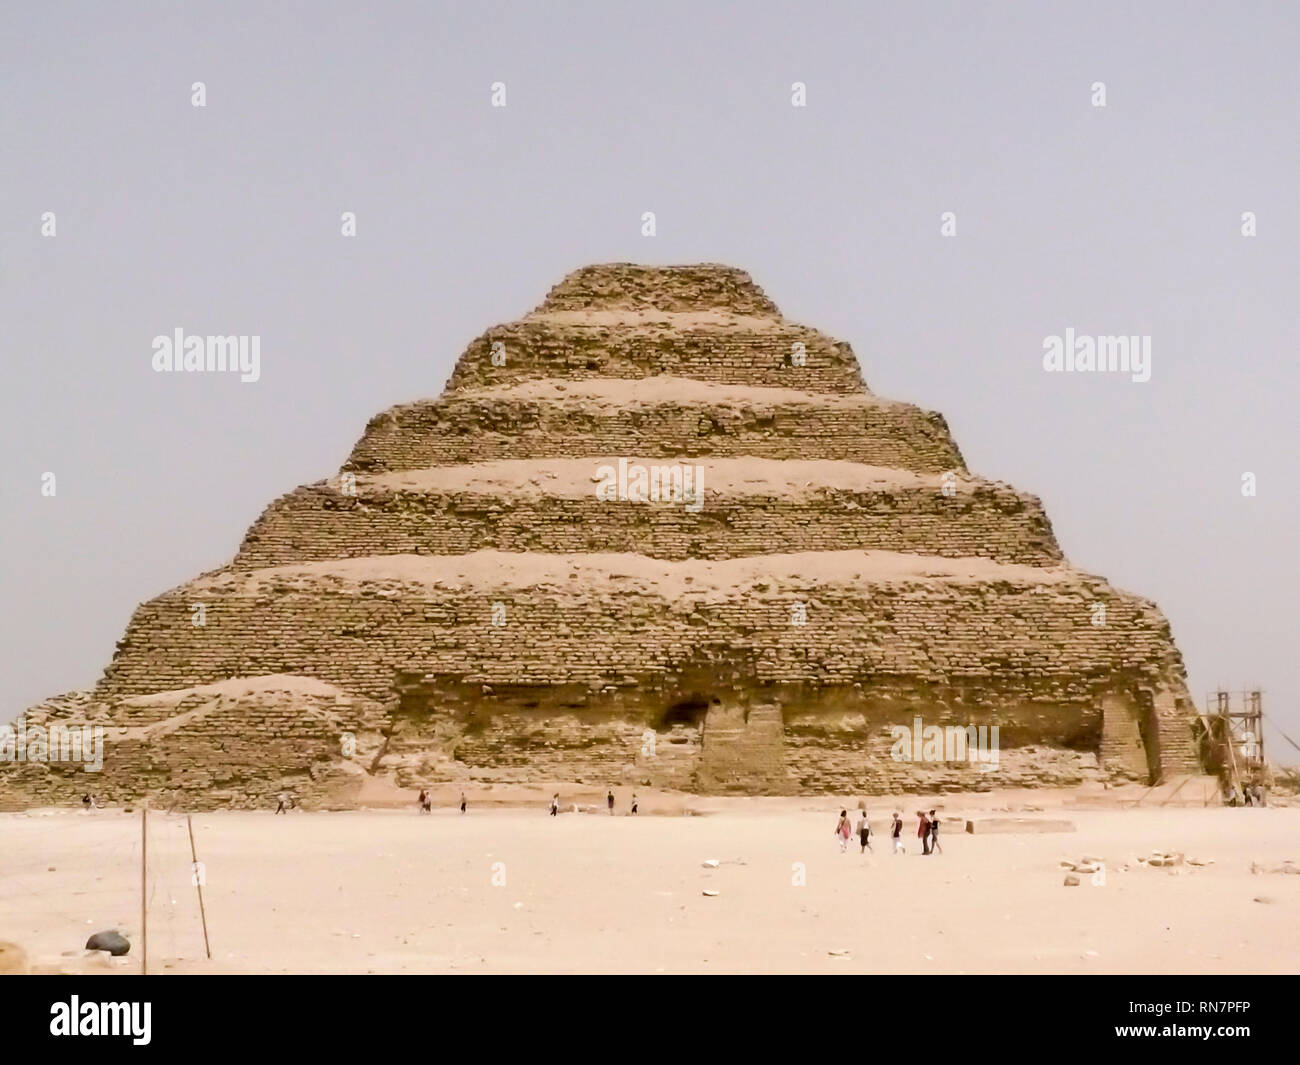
x=466, y=599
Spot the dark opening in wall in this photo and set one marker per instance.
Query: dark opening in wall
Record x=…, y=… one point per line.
x=688, y=711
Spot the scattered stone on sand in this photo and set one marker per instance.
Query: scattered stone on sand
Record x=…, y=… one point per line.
x=1071, y=881
x=710, y=892
x=1161, y=858
x=1288, y=867
x=711, y=863
x=112, y=941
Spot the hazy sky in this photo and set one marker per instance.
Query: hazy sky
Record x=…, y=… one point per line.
x=1123, y=219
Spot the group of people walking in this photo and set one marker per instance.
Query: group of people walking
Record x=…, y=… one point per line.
x=425, y=802
x=609, y=803
x=927, y=830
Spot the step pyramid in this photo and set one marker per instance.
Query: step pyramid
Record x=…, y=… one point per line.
x=651, y=533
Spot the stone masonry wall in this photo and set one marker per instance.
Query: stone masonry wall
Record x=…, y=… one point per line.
x=475, y=427
x=207, y=751
x=1123, y=747
x=536, y=349
x=632, y=286
x=321, y=522
x=1014, y=641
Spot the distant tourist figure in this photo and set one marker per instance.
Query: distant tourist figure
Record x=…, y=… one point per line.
x=555, y=804
x=896, y=834
x=844, y=829
x=634, y=804
x=462, y=802
x=88, y=800
x=285, y=804
x=426, y=804
x=1259, y=795
x=609, y=801
x=923, y=831
x=864, y=833
x=1232, y=795
x=934, y=835
x=1245, y=794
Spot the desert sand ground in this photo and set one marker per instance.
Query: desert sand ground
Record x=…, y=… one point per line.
x=391, y=891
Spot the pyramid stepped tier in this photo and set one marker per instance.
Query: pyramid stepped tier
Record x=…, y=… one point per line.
x=635, y=287
x=597, y=619
x=652, y=533
x=744, y=507
x=620, y=320
x=659, y=417
x=616, y=638
x=707, y=346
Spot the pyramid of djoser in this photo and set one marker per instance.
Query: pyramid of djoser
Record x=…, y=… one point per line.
x=464, y=601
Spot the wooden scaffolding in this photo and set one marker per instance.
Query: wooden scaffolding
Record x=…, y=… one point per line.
x=1234, y=729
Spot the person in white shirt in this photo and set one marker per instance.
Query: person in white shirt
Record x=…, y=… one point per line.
x=864, y=833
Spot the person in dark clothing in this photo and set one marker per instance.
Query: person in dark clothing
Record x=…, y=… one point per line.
x=896, y=834
x=462, y=802
x=634, y=803
x=923, y=831
x=555, y=804
x=864, y=834
x=609, y=801
x=934, y=834
x=426, y=804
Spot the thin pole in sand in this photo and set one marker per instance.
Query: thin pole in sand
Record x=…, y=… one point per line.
x=144, y=905
x=198, y=883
